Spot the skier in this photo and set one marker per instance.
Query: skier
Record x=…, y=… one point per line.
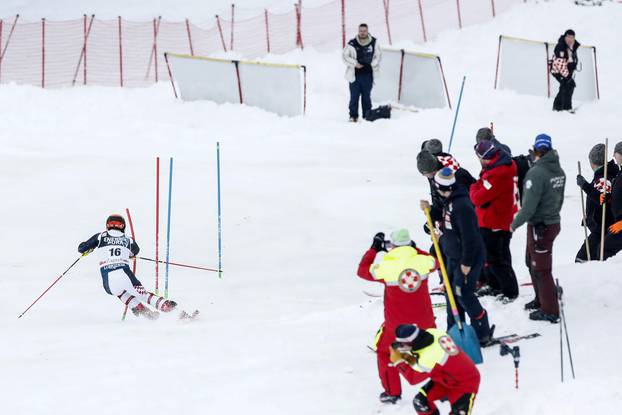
x=115, y=251
x=404, y=272
x=463, y=246
x=495, y=196
x=564, y=63
x=595, y=191
x=362, y=58
x=421, y=354
x=543, y=197
x=613, y=239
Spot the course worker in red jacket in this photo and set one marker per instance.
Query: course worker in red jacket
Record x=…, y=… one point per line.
x=404, y=272
x=420, y=354
x=495, y=196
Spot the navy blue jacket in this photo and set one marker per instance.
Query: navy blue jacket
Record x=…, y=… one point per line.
x=461, y=238
x=93, y=243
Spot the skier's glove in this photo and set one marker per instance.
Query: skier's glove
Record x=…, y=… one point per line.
x=581, y=181
x=616, y=227
x=378, y=242
x=603, y=197
x=85, y=253
x=396, y=357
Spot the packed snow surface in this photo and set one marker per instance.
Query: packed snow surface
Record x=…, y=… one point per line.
x=284, y=331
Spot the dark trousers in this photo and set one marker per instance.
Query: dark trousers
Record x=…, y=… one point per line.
x=463, y=287
x=360, y=89
x=613, y=245
x=563, y=100
x=593, y=241
x=498, y=268
x=539, y=259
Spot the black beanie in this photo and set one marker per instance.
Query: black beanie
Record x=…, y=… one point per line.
x=569, y=32
x=413, y=336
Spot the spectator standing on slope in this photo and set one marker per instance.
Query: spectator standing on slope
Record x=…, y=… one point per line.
x=495, y=199
x=595, y=191
x=404, y=272
x=564, y=64
x=362, y=58
x=543, y=197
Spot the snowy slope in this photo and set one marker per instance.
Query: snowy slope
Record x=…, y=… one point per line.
x=285, y=330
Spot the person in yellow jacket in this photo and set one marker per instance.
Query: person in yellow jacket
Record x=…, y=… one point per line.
x=420, y=354
x=404, y=272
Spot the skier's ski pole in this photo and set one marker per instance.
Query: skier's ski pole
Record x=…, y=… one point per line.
x=439, y=256
x=219, y=211
x=168, y=226
x=563, y=316
x=453, y=127
x=129, y=218
x=602, y=225
x=54, y=283
x=587, y=245
x=180, y=265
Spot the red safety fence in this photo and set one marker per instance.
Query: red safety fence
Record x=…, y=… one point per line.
x=118, y=52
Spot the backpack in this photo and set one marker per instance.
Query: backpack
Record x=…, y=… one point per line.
x=383, y=111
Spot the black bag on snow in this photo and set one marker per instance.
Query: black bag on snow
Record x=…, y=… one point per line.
x=383, y=111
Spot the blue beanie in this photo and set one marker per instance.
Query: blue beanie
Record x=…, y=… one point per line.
x=543, y=142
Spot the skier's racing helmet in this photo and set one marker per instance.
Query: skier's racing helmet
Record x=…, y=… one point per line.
x=116, y=222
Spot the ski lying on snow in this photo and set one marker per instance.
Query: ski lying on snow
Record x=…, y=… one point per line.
x=511, y=338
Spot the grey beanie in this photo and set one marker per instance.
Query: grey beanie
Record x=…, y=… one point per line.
x=484, y=134
x=618, y=148
x=597, y=155
x=434, y=146
x=427, y=162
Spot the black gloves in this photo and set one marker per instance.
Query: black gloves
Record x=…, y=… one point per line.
x=581, y=181
x=378, y=243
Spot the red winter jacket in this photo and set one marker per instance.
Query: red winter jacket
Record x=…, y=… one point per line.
x=449, y=367
x=495, y=194
x=401, y=307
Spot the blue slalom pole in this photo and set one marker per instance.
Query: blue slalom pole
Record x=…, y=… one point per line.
x=453, y=128
x=219, y=211
x=168, y=226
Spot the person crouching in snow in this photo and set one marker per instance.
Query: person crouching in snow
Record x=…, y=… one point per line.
x=115, y=250
x=420, y=354
x=404, y=272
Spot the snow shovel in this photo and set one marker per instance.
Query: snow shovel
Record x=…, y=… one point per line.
x=461, y=333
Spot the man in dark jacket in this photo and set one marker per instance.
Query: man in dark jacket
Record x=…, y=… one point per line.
x=463, y=246
x=563, y=66
x=362, y=58
x=594, y=208
x=543, y=197
x=495, y=197
x=613, y=239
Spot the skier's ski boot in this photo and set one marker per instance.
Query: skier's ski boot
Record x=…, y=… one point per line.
x=386, y=398
x=482, y=328
x=168, y=306
x=354, y=119
x=142, y=311
x=539, y=315
x=532, y=305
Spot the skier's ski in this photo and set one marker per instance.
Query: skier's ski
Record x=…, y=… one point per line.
x=511, y=338
x=185, y=316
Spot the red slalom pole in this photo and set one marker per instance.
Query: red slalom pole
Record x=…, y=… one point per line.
x=50, y=287
x=178, y=264
x=129, y=218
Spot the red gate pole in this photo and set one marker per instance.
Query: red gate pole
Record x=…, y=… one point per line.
x=189, y=37
x=83, y=53
x=459, y=14
x=343, y=23
x=232, y=25
x=492, y=4
x=222, y=38
x=265, y=13
x=170, y=74
x=120, y=53
x=596, y=73
x=425, y=37
x=386, y=19
x=43, y=53
x=298, y=8
x=237, y=73
x=498, y=55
